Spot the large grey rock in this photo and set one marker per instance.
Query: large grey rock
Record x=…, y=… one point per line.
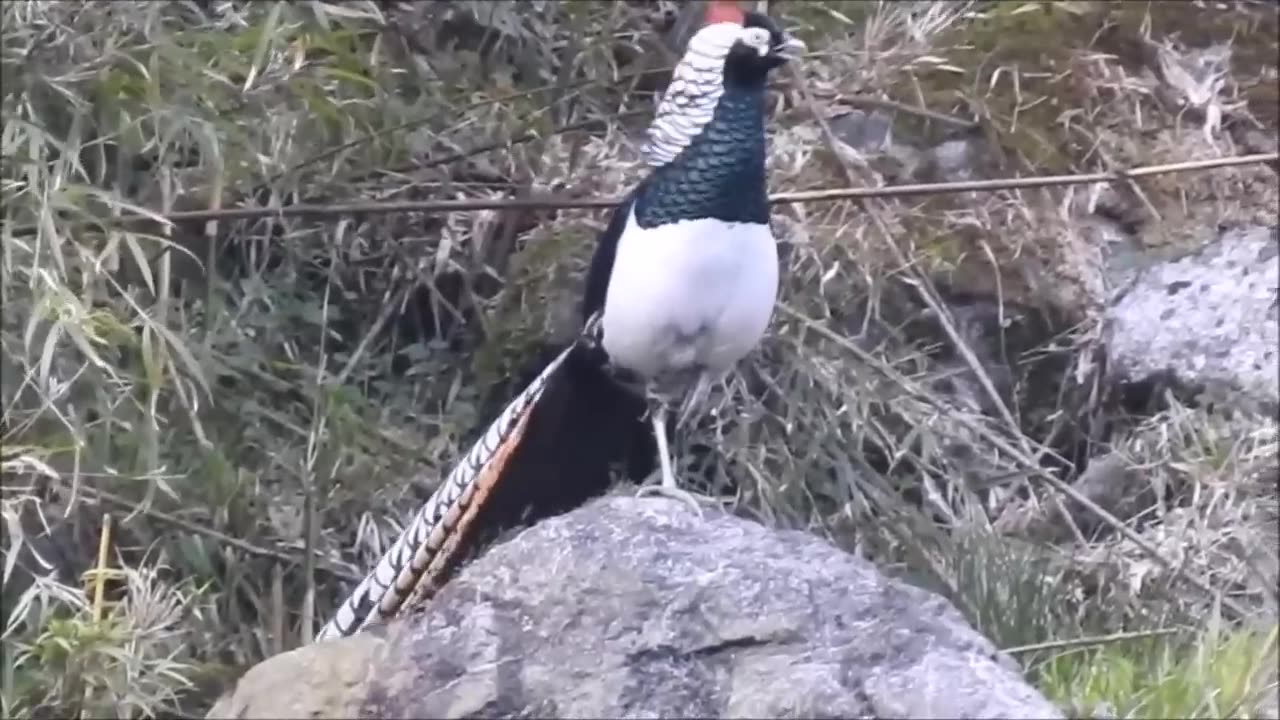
x=633, y=607
x=1208, y=319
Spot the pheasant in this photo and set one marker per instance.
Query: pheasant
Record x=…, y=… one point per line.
x=681, y=286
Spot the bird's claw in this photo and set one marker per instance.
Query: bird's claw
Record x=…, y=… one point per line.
x=674, y=493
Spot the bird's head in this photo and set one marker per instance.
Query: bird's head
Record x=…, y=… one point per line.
x=734, y=51
x=761, y=47
x=757, y=44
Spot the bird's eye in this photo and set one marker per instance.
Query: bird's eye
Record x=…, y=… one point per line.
x=757, y=38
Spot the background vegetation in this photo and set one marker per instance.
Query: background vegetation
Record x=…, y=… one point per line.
x=226, y=420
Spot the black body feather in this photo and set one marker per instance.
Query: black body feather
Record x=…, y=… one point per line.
x=602, y=260
x=583, y=429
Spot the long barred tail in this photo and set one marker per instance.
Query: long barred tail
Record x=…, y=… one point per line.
x=547, y=452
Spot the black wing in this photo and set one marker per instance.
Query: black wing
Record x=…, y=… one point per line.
x=602, y=261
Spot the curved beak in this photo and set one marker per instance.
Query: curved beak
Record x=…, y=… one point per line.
x=791, y=48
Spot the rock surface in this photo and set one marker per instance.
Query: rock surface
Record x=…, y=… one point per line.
x=634, y=607
x=1207, y=319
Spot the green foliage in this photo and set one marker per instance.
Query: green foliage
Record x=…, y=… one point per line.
x=61, y=662
x=1214, y=675
x=1015, y=593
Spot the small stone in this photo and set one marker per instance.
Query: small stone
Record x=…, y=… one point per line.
x=865, y=132
x=1203, y=318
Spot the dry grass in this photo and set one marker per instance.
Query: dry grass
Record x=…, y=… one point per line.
x=261, y=397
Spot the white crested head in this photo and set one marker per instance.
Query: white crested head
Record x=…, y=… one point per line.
x=696, y=86
x=698, y=80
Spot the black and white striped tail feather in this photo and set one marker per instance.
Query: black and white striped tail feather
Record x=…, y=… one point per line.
x=396, y=576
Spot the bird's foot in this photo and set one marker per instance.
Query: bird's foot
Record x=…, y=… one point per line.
x=668, y=486
x=684, y=496
x=672, y=491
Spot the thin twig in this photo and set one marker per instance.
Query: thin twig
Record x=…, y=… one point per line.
x=100, y=575
x=527, y=137
x=872, y=102
x=804, y=196
x=316, y=440
x=1091, y=641
x=276, y=620
x=247, y=547
x=374, y=331
x=1041, y=181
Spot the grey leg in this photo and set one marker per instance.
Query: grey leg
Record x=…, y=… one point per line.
x=659, y=420
x=668, y=487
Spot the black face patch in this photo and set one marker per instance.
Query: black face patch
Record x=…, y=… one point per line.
x=744, y=65
x=760, y=20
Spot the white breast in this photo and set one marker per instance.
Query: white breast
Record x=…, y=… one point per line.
x=691, y=294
